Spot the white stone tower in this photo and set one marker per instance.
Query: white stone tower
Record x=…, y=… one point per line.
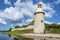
x=39, y=20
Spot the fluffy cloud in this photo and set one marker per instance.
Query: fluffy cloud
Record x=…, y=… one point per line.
x=58, y=23
x=2, y=21
x=57, y=2
x=49, y=11
x=11, y=14
x=29, y=20
x=24, y=8
x=7, y=2
x=48, y=22
x=28, y=8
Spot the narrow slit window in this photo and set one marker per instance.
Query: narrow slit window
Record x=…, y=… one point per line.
x=41, y=21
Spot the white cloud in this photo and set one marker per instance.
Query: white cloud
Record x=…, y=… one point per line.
x=11, y=13
x=49, y=11
x=7, y=2
x=48, y=22
x=24, y=8
x=57, y=2
x=22, y=23
x=58, y=23
x=29, y=20
x=2, y=21
x=29, y=7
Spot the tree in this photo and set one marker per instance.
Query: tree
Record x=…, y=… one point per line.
x=17, y=26
x=10, y=29
x=53, y=25
x=24, y=26
x=31, y=23
x=46, y=25
x=58, y=26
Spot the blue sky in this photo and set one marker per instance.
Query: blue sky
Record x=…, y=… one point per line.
x=19, y=12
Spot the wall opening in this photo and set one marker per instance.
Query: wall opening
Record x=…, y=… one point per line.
x=41, y=21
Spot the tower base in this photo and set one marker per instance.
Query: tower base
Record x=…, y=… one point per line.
x=38, y=30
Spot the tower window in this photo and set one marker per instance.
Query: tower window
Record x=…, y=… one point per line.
x=41, y=21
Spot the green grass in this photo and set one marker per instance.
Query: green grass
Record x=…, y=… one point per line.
x=55, y=31
x=20, y=31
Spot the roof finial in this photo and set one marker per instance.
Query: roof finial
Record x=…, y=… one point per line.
x=40, y=5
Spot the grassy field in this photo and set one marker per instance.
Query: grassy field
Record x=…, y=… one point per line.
x=54, y=30
x=20, y=31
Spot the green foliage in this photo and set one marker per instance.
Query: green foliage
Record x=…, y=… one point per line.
x=31, y=23
x=17, y=26
x=24, y=26
x=10, y=29
x=55, y=30
x=52, y=25
x=46, y=25
x=52, y=28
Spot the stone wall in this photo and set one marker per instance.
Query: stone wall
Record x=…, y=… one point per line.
x=28, y=27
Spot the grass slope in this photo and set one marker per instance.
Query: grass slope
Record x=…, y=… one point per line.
x=20, y=31
x=55, y=31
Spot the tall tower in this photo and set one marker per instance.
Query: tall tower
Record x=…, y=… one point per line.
x=39, y=20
